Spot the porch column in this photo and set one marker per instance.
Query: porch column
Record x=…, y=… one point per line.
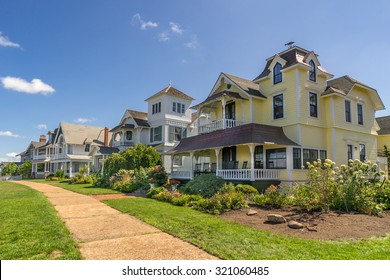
x=252, y=152
x=192, y=165
x=217, y=156
x=171, y=164
x=101, y=172
x=251, y=109
x=198, y=121
x=242, y=112
x=70, y=169
x=88, y=170
x=223, y=112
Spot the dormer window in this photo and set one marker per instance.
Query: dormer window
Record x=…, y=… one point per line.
x=87, y=147
x=277, y=73
x=129, y=135
x=312, y=72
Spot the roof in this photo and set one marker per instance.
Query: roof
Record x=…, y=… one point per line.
x=107, y=150
x=170, y=90
x=32, y=145
x=244, y=134
x=121, y=126
x=219, y=94
x=82, y=134
x=292, y=56
x=343, y=86
x=246, y=85
x=384, y=124
x=140, y=118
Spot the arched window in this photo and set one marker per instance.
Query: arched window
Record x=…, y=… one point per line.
x=129, y=135
x=312, y=72
x=277, y=73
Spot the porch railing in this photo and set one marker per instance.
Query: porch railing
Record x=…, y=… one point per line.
x=234, y=174
x=218, y=125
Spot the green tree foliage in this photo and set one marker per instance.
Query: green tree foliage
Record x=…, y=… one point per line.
x=25, y=169
x=10, y=169
x=386, y=153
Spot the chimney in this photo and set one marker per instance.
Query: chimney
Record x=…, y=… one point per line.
x=42, y=138
x=106, y=137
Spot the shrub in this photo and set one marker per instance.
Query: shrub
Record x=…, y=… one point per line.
x=157, y=176
x=248, y=191
x=205, y=185
x=25, y=169
x=124, y=186
x=10, y=169
x=167, y=196
x=60, y=174
x=81, y=179
x=275, y=196
x=153, y=191
x=186, y=199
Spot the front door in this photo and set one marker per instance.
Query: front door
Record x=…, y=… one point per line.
x=228, y=157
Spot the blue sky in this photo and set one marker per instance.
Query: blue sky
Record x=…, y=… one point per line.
x=87, y=61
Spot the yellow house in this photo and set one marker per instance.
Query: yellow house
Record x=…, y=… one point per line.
x=293, y=112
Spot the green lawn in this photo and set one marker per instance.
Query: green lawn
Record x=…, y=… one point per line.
x=229, y=240
x=30, y=227
x=87, y=189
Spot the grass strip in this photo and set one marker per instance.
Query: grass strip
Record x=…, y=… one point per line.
x=234, y=241
x=30, y=227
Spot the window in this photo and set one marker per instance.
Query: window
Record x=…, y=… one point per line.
x=156, y=108
x=278, y=106
x=362, y=152
x=360, y=113
x=349, y=152
x=323, y=155
x=230, y=111
x=177, y=133
x=276, y=159
x=259, y=157
x=313, y=104
x=178, y=107
x=70, y=149
x=156, y=134
x=347, y=111
x=277, y=73
x=297, y=158
x=129, y=135
x=178, y=160
x=309, y=155
x=87, y=147
x=118, y=136
x=312, y=72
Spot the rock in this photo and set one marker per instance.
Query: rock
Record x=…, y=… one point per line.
x=295, y=225
x=276, y=219
x=312, y=229
x=251, y=212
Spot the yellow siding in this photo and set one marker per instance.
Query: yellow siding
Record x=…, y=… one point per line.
x=383, y=140
x=312, y=136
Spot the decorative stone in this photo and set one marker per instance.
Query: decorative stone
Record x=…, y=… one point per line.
x=312, y=229
x=295, y=225
x=276, y=219
x=251, y=212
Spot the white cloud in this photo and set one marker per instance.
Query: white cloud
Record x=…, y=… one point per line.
x=42, y=126
x=138, y=21
x=164, y=36
x=84, y=120
x=10, y=157
x=193, y=44
x=175, y=28
x=9, y=134
x=34, y=87
x=5, y=42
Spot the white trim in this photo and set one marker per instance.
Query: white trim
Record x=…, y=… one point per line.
x=333, y=144
x=298, y=91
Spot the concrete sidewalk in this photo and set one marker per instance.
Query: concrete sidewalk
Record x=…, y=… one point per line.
x=104, y=233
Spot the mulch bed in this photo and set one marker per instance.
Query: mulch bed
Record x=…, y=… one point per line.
x=118, y=195
x=323, y=226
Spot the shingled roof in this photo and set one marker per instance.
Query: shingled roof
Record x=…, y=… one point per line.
x=292, y=56
x=384, y=124
x=141, y=118
x=170, y=90
x=244, y=134
x=82, y=134
x=246, y=85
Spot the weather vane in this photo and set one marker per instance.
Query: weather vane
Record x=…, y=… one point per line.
x=290, y=44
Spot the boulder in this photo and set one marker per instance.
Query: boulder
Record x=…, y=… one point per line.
x=295, y=225
x=251, y=212
x=276, y=219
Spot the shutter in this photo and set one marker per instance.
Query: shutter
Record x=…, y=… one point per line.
x=151, y=135
x=171, y=133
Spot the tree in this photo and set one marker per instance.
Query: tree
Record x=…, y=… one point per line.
x=10, y=169
x=25, y=169
x=386, y=153
x=132, y=159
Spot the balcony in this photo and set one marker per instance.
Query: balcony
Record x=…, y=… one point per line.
x=218, y=125
x=125, y=143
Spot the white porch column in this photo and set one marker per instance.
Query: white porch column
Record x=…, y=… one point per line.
x=171, y=164
x=70, y=169
x=101, y=172
x=252, y=152
x=217, y=157
x=223, y=112
x=192, y=165
x=251, y=109
x=242, y=111
x=88, y=170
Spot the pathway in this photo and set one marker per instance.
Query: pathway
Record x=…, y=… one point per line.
x=104, y=233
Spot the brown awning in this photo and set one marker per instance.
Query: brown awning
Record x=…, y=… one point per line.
x=239, y=135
